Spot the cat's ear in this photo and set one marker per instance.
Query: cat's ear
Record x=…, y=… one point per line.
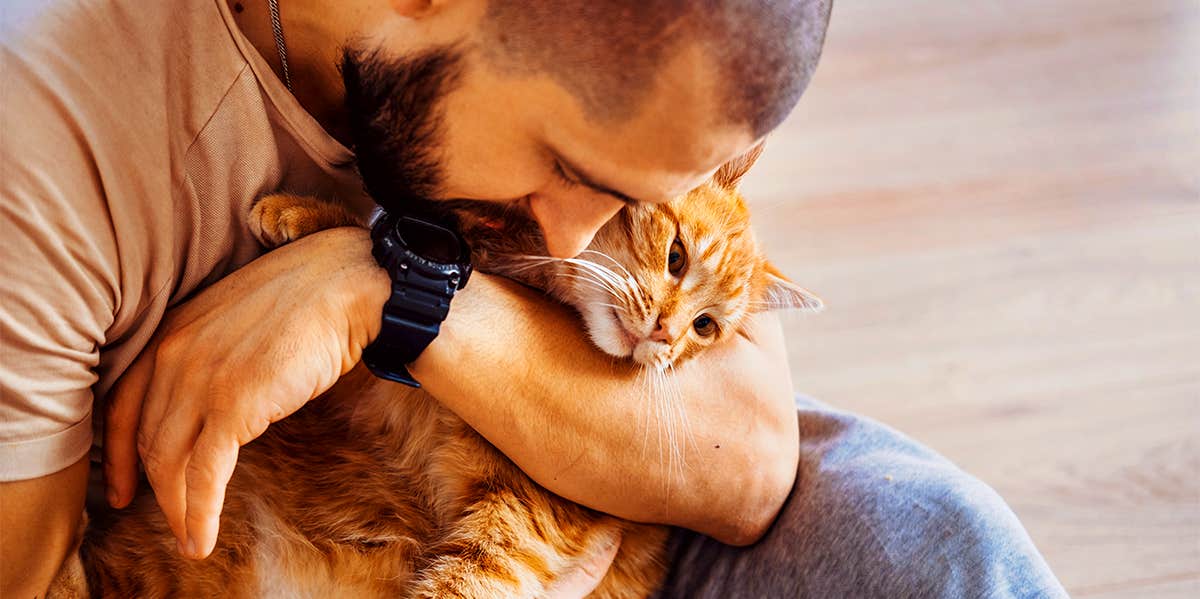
x=782, y=294
x=730, y=174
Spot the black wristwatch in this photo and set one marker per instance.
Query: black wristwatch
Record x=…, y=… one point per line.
x=428, y=262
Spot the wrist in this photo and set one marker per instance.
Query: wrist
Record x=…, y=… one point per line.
x=461, y=332
x=361, y=286
x=427, y=263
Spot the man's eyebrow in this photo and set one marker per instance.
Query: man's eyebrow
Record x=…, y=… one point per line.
x=583, y=179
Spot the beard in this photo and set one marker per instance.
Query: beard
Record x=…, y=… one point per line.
x=395, y=118
x=396, y=127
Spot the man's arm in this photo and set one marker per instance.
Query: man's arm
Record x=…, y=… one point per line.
x=519, y=368
x=255, y=346
x=38, y=521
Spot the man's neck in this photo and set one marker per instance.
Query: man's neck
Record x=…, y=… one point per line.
x=314, y=40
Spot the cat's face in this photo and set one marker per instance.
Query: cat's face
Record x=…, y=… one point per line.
x=661, y=283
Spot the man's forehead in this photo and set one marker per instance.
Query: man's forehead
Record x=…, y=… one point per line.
x=676, y=138
x=649, y=172
x=635, y=184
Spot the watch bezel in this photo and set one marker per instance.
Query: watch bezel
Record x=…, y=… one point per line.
x=393, y=252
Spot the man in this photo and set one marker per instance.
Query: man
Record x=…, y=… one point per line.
x=138, y=135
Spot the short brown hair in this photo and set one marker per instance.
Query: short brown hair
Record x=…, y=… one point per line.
x=607, y=53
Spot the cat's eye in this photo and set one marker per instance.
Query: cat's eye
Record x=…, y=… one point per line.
x=676, y=259
x=704, y=325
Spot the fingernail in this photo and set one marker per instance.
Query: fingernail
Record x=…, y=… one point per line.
x=113, y=497
x=191, y=548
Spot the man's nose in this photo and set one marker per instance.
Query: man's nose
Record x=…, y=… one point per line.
x=569, y=221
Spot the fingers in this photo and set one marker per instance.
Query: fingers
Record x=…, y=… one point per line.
x=166, y=457
x=121, y=423
x=208, y=473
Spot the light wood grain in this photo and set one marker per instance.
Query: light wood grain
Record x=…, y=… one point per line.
x=1000, y=202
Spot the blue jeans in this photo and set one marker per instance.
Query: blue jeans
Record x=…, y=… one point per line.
x=872, y=514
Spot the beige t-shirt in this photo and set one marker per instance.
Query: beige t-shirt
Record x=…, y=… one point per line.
x=134, y=138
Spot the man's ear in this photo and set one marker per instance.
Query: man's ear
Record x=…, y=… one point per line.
x=782, y=294
x=730, y=174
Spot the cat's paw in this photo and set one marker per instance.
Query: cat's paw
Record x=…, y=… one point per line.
x=280, y=218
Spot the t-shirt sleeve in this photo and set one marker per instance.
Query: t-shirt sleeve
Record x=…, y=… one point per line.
x=58, y=274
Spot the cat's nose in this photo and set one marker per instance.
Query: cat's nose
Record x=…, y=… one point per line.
x=659, y=333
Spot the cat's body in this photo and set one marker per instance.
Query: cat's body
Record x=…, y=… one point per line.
x=376, y=490
x=373, y=490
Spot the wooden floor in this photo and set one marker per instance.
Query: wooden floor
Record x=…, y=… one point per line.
x=1000, y=203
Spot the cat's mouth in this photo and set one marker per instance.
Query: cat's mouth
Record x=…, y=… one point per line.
x=636, y=346
x=628, y=338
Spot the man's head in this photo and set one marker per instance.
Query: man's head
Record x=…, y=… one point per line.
x=570, y=108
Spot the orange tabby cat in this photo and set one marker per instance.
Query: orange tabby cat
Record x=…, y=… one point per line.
x=376, y=490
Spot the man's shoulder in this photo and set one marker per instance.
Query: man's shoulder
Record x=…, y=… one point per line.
x=30, y=26
x=102, y=101
x=132, y=58
x=91, y=80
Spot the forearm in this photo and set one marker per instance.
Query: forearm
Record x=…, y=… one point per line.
x=520, y=370
x=38, y=522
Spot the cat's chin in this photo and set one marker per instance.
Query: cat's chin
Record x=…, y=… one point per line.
x=652, y=355
x=608, y=332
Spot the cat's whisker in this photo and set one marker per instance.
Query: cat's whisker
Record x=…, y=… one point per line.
x=652, y=393
x=682, y=408
x=611, y=259
x=666, y=427
x=619, y=289
x=641, y=301
x=644, y=415
x=519, y=264
x=675, y=459
x=670, y=458
x=600, y=271
x=589, y=275
x=529, y=262
x=597, y=284
x=656, y=411
x=636, y=294
x=536, y=257
x=592, y=269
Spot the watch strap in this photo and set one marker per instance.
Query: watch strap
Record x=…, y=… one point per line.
x=412, y=318
x=413, y=314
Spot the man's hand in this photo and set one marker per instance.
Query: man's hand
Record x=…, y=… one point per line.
x=245, y=352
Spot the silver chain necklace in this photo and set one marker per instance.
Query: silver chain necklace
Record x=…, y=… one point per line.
x=280, y=47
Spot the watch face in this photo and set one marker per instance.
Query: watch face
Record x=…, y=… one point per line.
x=432, y=242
